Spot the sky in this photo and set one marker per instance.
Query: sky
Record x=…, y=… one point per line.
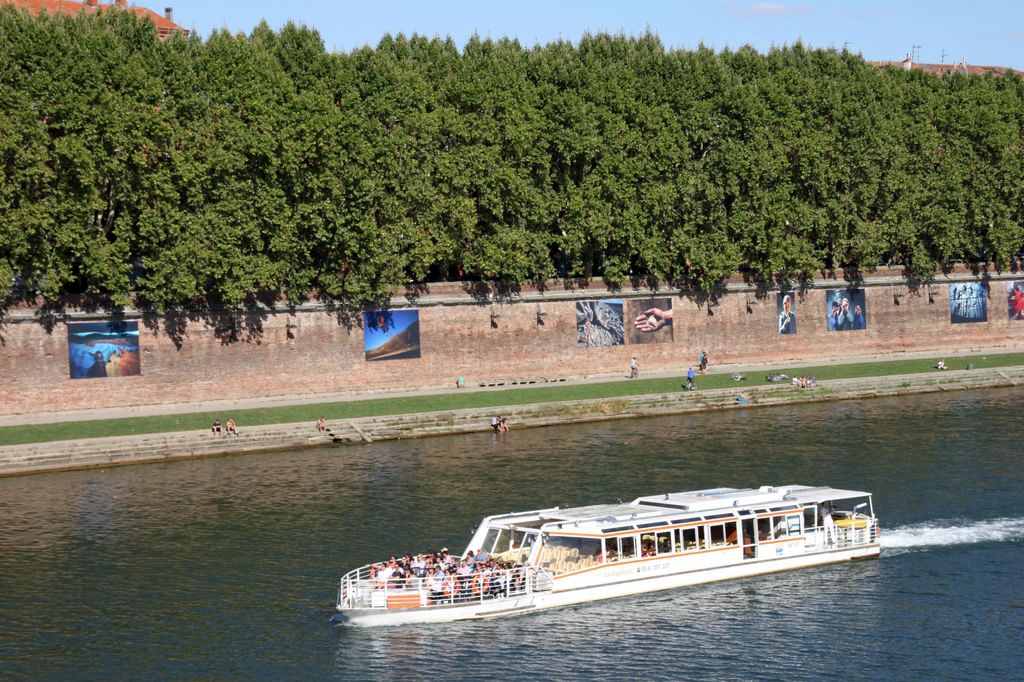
x=987, y=33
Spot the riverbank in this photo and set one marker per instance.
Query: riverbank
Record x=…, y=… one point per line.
x=160, y=447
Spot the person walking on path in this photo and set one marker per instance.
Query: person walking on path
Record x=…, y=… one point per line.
x=704, y=362
x=634, y=368
x=690, y=376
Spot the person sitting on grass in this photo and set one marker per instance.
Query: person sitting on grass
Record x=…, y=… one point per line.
x=941, y=364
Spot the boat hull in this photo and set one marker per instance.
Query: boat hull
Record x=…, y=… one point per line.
x=673, y=576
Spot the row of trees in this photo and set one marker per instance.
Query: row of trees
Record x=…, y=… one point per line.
x=217, y=170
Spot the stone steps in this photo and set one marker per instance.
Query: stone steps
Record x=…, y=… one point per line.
x=85, y=453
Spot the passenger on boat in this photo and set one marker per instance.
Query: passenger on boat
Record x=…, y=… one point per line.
x=436, y=584
x=826, y=521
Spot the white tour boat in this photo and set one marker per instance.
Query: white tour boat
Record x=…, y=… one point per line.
x=554, y=557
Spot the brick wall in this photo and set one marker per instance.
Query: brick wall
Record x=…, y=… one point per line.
x=309, y=350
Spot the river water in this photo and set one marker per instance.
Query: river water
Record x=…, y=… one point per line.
x=227, y=568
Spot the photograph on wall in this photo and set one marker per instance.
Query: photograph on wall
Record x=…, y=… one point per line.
x=103, y=349
x=846, y=310
x=967, y=303
x=391, y=334
x=1015, y=299
x=649, y=320
x=599, y=324
x=785, y=308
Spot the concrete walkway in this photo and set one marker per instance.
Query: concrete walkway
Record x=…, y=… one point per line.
x=226, y=406
x=105, y=452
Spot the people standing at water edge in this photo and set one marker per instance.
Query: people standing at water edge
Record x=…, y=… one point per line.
x=503, y=425
x=495, y=426
x=634, y=368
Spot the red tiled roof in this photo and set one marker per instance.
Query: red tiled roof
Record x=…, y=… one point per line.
x=164, y=26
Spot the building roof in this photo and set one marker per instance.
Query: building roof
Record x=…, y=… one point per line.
x=943, y=69
x=165, y=25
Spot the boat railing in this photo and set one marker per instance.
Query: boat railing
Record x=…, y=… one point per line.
x=854, y=530
x=366, y=588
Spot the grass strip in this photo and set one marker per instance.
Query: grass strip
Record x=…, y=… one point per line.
x=457, y=400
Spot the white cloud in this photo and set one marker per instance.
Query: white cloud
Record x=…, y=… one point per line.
x=770, y=9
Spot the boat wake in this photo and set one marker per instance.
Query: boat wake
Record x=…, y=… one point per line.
x=953, y=532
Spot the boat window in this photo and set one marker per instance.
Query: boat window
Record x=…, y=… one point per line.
x=664, y=542
x=764, y=529
x=793, y=521
x=651, y=525
x=564, y=554
x=716, y=535
x=627, y=547
x=503, y=546
x=524, y=543
x=730, y=534
x=689, y=538
x=722, y=534
x=811, y=516
x=647, y=544
x=780, y=529
x=616, y=530
x=489, y=540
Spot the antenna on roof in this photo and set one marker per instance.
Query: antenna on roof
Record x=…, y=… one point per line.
x=915, y=52
x=943, y=60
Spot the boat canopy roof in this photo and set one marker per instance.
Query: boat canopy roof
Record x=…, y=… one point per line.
x=676, y=507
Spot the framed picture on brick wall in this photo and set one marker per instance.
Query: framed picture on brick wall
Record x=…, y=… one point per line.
x=599, y=324
x=103, y=349
x=968, y=302
x=785, y=310
x=1015, y=299
x=648, y=320
x=391, y=334
x=846, y=310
